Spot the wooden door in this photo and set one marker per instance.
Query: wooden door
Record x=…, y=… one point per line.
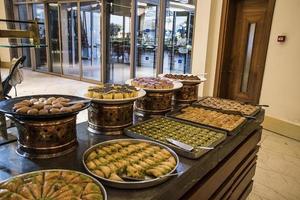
x=244, y=54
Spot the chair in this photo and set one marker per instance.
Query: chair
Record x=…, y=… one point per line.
x=5, y=84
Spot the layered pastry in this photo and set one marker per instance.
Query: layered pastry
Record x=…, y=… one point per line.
x=112, y=91
x=152, y=83
x=187, y=77
x=121, y=159
x=44, y=106
x=54, y=185
x=162, y=128
x=228, y=105
x=212, y=118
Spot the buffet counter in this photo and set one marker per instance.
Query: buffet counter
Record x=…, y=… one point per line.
x=225, y=172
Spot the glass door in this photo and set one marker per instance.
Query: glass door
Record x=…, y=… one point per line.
x=118, y=40
x=54, y=38
x=23, y=16
x=90, y=40
x=38, y=12
x=147, y=38
x=69, y=39
x=178, y=36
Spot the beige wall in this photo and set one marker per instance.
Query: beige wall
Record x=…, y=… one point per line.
x=281, y=84
x=4, y=52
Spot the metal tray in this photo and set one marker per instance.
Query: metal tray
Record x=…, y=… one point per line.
x=197, y=103
x=201, y=78
x=131, y=184
x=6, y=107
x=177, y=86
x=173, y=114
x=180, y=151
x=103, y=191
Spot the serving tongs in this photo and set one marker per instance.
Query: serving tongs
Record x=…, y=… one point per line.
x=79, y=101
x=145, y=178
x=184, y=146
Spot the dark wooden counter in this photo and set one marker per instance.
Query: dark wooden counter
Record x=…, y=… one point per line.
x=225, y=172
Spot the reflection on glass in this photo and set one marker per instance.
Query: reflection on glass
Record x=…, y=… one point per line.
x=54, y=38
x=118, y=35
x=147, y=38
x=41, y=56
x=249, y=51
x=23, y=15
x=90, y=40
x=69, y=39
x=178, y=36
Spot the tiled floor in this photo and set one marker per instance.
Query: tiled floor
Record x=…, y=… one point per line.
x=278, y=167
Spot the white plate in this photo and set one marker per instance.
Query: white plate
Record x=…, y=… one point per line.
x=177, y=85
x=202, y=78
x=141, y=93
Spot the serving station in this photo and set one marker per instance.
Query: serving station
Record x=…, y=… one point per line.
x=204, y=150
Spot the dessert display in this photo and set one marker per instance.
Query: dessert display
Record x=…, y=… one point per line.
x=185, y=77
x=44, y=106
x=126, y=160
x=112, y=91
x=228, y=105
x=52, y=184
x=160, y=129
x=228, y=122
x=152, y=83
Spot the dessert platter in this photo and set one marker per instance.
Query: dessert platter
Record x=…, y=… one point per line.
x=114, y=93
x=228, y=105
x=43, y=106
x=190, y=78
x=130, y=163
x=57, y=184
x=200, y=138
x=46, y=124
x=154, y=84
x=211, y=118
x=158, y=98
x=189, y=91
x=111, y=107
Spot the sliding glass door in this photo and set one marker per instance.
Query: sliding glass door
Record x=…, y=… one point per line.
x=38, y=12
x=90, y=40
x=69, y=39
x=54, y=38
x=147, y=15
x=178, y=36
x=118, y=40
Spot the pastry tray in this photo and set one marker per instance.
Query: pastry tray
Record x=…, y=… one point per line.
x=178, y=150
x=197, y=103
x=131, y=184
x=174, y=113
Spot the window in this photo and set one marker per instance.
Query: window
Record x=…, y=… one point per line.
x=118, y=46
x=133, y=38
x=179, y=22
x=90, y=40
x=38, y=12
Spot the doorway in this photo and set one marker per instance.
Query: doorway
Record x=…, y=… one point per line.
x=244, y=38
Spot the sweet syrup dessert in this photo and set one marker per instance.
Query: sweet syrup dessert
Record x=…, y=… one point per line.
x=152, y=83
x=212, y=118
x=160, y=129
x=130, y=159
x=44, y=106
x=184, y=77
x=228, y=105
x=54, y=185
x=112, y=91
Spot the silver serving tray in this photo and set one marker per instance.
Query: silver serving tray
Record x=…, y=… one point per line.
x=103, y=191
x=131, y=184
x=180, y=151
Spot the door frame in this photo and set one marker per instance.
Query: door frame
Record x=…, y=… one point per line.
x=228, y=8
